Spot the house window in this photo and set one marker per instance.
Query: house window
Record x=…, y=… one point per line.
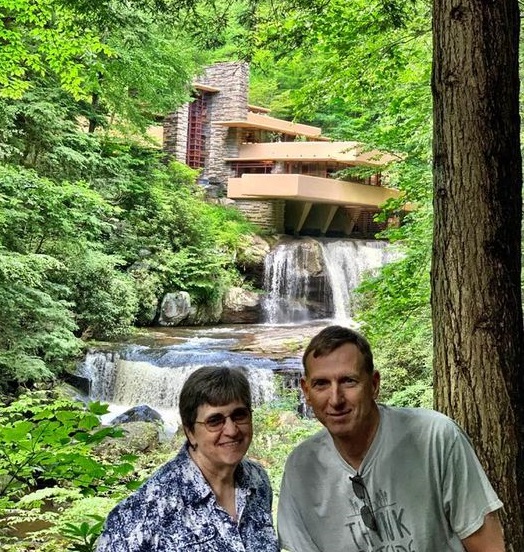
x=255, y=167
x=196, y=139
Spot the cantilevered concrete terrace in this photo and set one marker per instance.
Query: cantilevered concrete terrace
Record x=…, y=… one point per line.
x=260, y=121
x=313, y=204
x=300, y=187
x=350, y=153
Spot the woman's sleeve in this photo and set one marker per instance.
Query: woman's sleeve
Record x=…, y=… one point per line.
x=127, y=528
x=112, y=538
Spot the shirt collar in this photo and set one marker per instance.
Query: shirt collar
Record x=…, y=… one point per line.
x=194, y=486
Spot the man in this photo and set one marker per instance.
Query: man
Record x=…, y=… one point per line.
x=379, y=478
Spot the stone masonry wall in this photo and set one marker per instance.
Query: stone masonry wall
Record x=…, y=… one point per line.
x=230, y=103
x=268, y=214
x=232, y=78
x=175, y=133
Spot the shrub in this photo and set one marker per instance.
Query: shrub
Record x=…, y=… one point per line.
x=47, y=462
x=104, y=298
x=36, y=326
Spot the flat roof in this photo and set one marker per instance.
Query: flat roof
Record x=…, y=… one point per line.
x=349, y=153
x=205, y=87
x=264, y=122
x=258, y=109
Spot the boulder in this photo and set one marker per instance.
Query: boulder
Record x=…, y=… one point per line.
x=140, y=413
x=138, y=437
x=241, y=306
x=250, y=259
x=141, y=436
x=201, y=315
x=174, y=309
x=79, y=383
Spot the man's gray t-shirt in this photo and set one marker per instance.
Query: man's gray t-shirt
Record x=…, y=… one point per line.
x=427, y=489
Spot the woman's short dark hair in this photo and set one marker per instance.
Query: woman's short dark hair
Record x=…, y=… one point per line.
x=212, y=385
x=333, y=337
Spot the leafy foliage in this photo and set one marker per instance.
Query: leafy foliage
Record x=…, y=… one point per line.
x=394, y=311
x=47, y=440
x=45, y=37
x=183, y=243
x=47, y=463
x=39, y=215
x=41, y=131
x=150, y=71
x=84, y=536
x=104, y=298
x=76, y=42
x=36, y=327
x=277, y=430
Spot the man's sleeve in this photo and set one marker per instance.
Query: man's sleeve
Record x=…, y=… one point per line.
x=468, y=494
x=293, y=534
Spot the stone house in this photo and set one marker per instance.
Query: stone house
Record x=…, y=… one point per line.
x=284, y=176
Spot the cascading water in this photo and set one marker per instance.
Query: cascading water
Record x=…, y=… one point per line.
x=287, y=282
x=346, y=262
x=305, y=279
x=308, y=279
x=155, y=375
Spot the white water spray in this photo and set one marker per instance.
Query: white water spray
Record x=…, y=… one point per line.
x=125, y=383
x=288, y=283
x=346, y=263
x=308, y=279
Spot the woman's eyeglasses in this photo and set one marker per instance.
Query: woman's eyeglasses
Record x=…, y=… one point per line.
x=216, y=422
x=366, y=512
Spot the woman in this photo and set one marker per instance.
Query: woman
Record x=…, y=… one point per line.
x=209, y=497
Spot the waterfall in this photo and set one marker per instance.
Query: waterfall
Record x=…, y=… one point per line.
x=307, y=279
x=346, y=262
x=155, y=375
x=287, y=282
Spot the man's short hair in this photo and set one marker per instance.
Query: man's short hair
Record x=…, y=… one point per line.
x=333, y=337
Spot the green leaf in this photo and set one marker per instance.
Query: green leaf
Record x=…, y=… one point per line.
x=18, y=432
x=98, y=408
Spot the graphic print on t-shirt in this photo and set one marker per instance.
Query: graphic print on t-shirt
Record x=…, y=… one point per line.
x=393, y=533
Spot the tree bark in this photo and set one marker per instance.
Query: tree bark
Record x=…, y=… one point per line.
x=93, y=123
x=476, y=263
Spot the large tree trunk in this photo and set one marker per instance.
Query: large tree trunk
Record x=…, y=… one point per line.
x=476, y=293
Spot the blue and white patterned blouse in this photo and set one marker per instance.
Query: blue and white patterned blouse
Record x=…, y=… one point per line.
x=176, y=510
